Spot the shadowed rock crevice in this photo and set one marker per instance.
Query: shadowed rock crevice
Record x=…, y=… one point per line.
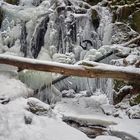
x=38, y=38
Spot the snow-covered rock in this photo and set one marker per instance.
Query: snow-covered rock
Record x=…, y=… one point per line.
x=134, y=112
x=108, y=109
x=68, y=93
x=89, y=120
x=107, y=138
x=131, y=59
x=18, y=123
x=37, y=107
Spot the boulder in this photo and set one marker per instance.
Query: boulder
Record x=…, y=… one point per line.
x=37, y=107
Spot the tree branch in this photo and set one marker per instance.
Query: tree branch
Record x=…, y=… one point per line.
x=134, y=40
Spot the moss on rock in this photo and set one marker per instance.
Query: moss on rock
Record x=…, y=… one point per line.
x=135, y=100
x=14, y=2
x=135, y=23
x=118, y=84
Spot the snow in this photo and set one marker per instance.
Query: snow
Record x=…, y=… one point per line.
x=67, y=58
x=128, y=126
x=134, y=112
x=42, y=127
x=111, y=67
x=107, y=138
x=125, y=88
x=23, y=117
x=90, y=120
x=73, y=109
x=12, y=88
x=131, y=59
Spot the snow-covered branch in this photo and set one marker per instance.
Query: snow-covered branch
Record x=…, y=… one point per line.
x=134, y=40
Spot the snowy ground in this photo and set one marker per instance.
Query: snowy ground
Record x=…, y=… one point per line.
x=89, y=111
x=28, y=118
x=13, y=126
x=23, y=117
x=17, y=122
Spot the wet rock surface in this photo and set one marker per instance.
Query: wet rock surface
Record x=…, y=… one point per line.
x=90, y=131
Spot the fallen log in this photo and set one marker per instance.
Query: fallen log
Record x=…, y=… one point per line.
x=84, y=69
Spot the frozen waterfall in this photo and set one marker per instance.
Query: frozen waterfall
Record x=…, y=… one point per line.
x=65, y=31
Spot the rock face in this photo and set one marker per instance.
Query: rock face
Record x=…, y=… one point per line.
x=14, y=2
x=95, y=18
x=135, y=100
x=1, y=17
x=135, y=23
x=126, y=11
x=93, y=2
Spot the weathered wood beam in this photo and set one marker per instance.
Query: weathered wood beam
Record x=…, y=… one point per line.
x=84, y=69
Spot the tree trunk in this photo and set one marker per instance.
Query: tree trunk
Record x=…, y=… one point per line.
x=84, y=69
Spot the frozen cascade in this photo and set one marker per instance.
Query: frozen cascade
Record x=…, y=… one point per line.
x=98, y=38
x=64, y=29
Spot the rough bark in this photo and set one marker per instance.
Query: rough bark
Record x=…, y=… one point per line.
x=84, y=69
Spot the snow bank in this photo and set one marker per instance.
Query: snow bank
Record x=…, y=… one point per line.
x=14, y=127
x=12, y=88
x=107, y=138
